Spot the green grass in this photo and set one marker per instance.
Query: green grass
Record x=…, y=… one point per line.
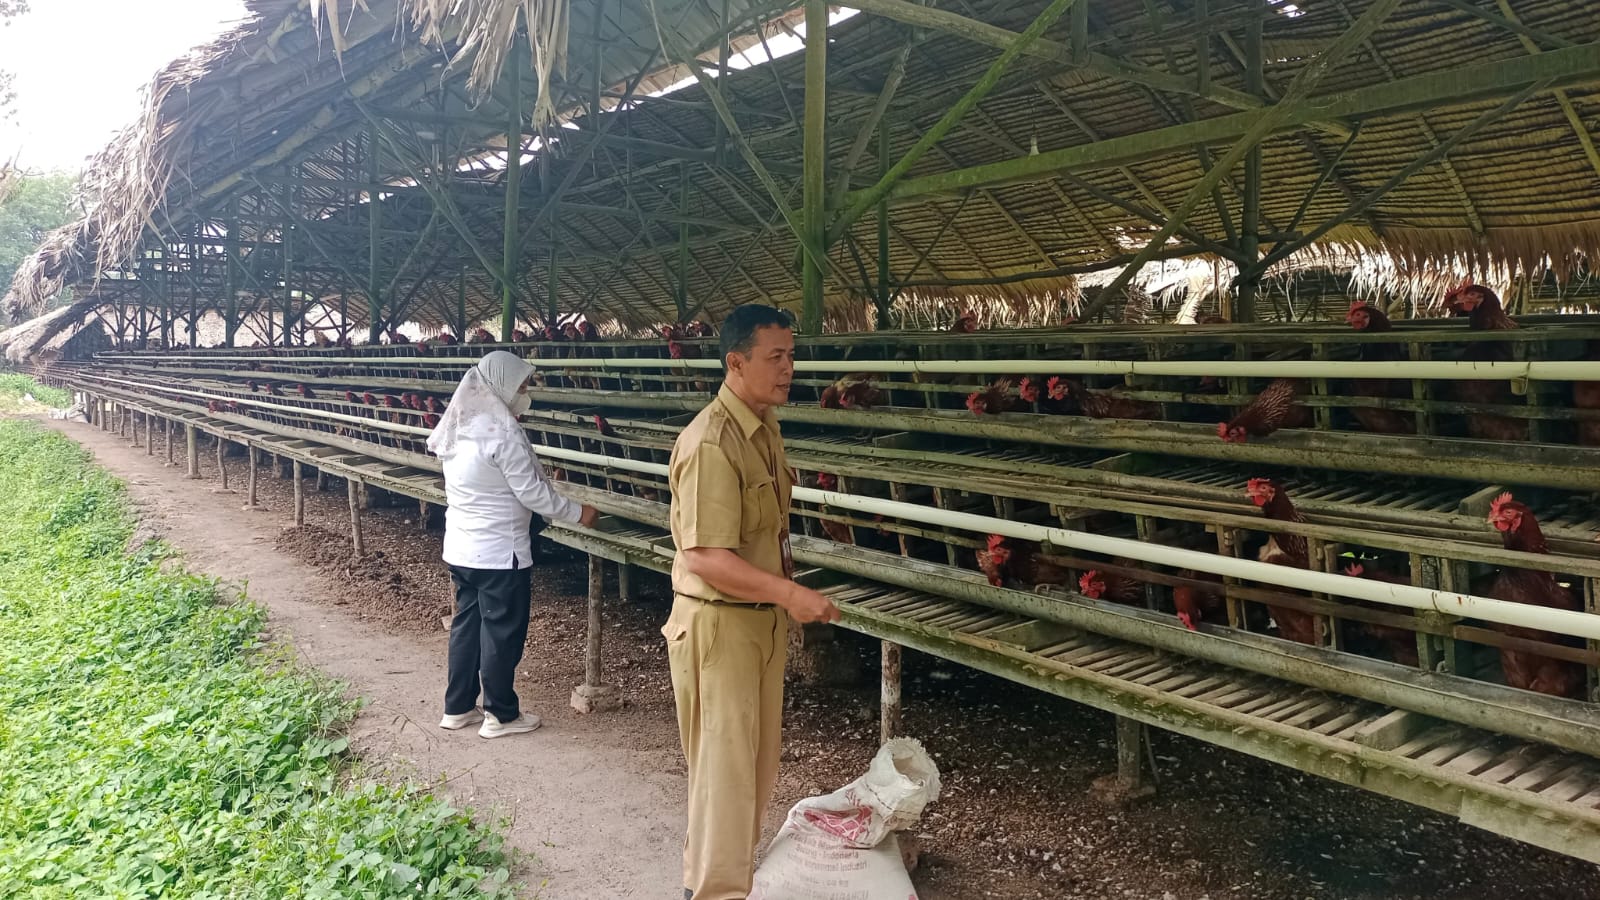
x=151, y=747
x=14, y=387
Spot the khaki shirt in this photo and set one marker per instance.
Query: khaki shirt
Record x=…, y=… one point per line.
x=730, y=485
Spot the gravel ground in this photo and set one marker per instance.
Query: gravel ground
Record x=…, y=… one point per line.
x=1016, y=820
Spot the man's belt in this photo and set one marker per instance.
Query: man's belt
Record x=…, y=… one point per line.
x=739, y=603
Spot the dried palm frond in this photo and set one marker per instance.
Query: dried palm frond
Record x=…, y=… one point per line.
x=488, y=29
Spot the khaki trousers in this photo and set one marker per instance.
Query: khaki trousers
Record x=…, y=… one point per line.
x=727, y=676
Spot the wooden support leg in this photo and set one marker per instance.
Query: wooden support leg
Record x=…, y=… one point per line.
x=594, y=695
x=889, y=699
x=1130, y=782
x=250, y=490
x=422, y=516
x=122, y=422
x=193, y=441
x=149, y=436
x=222, y=467
x=299, y=495
x=322, y=481
x=353, y=490
x=166, y=433
x=625, y=585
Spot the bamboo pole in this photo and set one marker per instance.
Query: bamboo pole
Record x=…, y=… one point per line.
x=883, y=322
x=192, y=439
x=681, y=294
x=1250, y=214
x=374, y=235
x=290, y=194
x=814, y=161
x=299, y=495
x=513, y=179
x=553, y=285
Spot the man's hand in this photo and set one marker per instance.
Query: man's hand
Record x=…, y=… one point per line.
x=589, y=516
x=805, y=606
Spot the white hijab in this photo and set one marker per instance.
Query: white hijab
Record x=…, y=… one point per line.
x=486, y=403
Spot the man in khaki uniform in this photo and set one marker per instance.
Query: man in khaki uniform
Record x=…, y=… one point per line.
x=727, y=637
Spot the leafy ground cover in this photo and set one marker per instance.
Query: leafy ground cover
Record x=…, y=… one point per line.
x=150, y=745
x=15, y=389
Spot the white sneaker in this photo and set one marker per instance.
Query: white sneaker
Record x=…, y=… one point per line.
x=493, y=728
x=462, y=720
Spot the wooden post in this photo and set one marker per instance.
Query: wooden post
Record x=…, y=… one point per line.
x=250, y=490
x=299, y=495
x=322, y=481
x=594, y=695
x=122, y=421
x=149, y=436
x=814, y=157
x=222, y=467
x=353, y=490
x=422, y=516
x=889, y=698
x=625, y=576
x=1129, y=783
x=193, y=442
x=166, y=431
x=1131, y=737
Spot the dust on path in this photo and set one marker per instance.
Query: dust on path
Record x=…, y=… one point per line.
x=603, y=821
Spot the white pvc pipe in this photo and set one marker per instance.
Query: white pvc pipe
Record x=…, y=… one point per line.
x=1424, y=369
x=1578, y=624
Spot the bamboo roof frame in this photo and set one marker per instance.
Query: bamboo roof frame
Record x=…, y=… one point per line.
x=248, y=184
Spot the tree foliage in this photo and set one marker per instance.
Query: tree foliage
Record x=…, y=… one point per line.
x=38, y=205
x=9, y=9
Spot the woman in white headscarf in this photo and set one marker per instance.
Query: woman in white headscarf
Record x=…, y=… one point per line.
x=494, y=484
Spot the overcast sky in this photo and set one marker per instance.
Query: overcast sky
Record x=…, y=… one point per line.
x=80, y=66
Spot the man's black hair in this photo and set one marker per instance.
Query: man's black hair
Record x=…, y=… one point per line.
x=739, y=328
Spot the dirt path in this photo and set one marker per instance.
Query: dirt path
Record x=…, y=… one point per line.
x=603, y=820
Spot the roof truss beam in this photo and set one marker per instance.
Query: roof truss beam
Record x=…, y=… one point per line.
x=1566, y=67
x=908, y=13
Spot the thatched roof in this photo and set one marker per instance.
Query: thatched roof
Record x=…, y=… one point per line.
x=272, y=108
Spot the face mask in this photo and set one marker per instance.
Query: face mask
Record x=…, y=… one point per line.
x=520, y=404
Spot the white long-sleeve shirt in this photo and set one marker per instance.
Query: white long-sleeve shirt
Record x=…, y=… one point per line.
x=493, y=486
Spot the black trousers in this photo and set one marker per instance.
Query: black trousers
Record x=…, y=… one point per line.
x=486, y=639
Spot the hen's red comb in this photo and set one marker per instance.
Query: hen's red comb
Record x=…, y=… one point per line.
x=1499, y=504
